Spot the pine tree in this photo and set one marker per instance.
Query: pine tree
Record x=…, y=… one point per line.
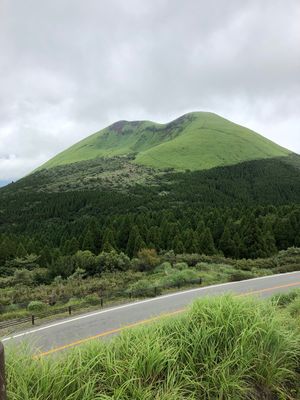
x=135, y=242
x=123, y=232
x=45, y=257
x=89, y=242
x=227, y=244
x=138, y=245
x=21, y=252
x=178, y=245
x=7, y=249
x=153, y=237
x=70, y=247
x=188, y=241
x=206, y=242
x=254, y=243
x=109, y=242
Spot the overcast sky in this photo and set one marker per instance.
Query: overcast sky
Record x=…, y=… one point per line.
x=71, y=67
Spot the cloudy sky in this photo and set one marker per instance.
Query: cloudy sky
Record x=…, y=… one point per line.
x=71, y=67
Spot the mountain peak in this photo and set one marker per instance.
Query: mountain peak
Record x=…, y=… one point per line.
x=120, y=125
x=196, y=140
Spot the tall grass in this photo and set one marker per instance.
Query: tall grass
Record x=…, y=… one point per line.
x=222, y=348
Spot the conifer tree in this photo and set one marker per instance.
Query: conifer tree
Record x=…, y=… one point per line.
x=21, y=252
x=206, y=242
x=227, y=244
x=89, y=242
x=135, y=242
x=45, y=257
x=109, y=240
x=178, y=245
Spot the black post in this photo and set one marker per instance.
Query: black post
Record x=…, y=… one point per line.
x=101, y=301
x=32, y=319
x=155, y=291
x=70, y=310
x=2, y=374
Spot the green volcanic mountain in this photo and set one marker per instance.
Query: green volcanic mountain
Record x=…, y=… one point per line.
x=195, y=141
x=199, y=184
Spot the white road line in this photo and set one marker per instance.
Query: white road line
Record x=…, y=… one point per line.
x=137, y=303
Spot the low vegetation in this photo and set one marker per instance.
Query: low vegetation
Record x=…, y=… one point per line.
x=222, y=348
x=84, y=278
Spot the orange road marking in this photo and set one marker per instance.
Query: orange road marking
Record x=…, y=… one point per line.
x=147, y=321
x=107, y=333
x=268, y=289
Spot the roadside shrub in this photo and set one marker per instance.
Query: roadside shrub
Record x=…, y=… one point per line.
x=36, y=306
x=240, y=276
x=179, y=278
x=181, y=266
x=165, y=267
x=261, y=272
x=112, y=261
x=12, y=307
x=190, y=259
x=74, y=301
x=287, y=268
x=14, y=314
x=148, y=259
x=92, y=299
x=143, y=288
x=23, y=276
x=201, y=266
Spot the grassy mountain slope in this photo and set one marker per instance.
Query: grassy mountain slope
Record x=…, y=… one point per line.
x=194, y=141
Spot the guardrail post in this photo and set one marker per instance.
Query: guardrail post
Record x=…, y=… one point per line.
x=70, y=310
x=32, y=319
x=101, y=302
x=2, y=374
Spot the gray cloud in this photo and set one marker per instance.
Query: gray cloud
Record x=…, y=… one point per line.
x=70, y=67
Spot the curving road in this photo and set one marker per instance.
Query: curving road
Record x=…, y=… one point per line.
x=73, y=331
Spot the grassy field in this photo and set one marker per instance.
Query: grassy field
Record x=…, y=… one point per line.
x=222, y=348
x=194, y=141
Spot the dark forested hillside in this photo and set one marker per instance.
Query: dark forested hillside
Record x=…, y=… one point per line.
x=248, y=210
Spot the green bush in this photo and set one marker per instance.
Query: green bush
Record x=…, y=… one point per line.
x=12, y=307
x=143, y=288
x=179, y=278
x=190, y=259
x=181, y=266
x=74, y=301
x=287, y=268
x=92, y=299
x=36, y=306
x=165, y=267
x=201, y=266
x=14, y=315
x=240, y=276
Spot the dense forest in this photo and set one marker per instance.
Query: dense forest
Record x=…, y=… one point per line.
x=250, y=210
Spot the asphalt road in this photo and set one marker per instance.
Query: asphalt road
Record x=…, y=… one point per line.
x=72, y=331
